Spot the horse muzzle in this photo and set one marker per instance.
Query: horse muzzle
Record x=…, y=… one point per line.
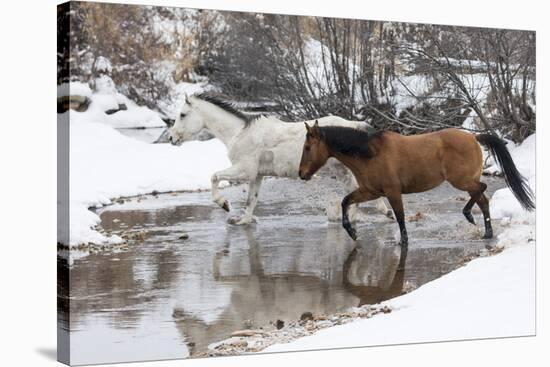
x=174, y=141
x=304, y=176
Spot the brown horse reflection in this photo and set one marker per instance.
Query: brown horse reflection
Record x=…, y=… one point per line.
x=375, y=273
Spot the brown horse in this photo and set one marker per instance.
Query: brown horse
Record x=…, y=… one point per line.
x=390, y=164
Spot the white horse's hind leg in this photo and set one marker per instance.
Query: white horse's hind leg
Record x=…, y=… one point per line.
x=383, y=208
x=355, y=215
x=233, y=173
x=253, y=191
x=334, y=210
x=345, y=177
x=353, y=211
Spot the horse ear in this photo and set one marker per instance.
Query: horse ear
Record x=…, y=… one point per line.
x=314, y=130
x=308, y=128
x=186, y=98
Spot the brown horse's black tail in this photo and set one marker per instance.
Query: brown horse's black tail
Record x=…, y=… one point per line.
x=515, y=181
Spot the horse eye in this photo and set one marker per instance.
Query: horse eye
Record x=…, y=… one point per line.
x=182, y=115
x=307, y=149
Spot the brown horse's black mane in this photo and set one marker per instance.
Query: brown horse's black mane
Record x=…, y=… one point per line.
x=348, y=141
x=228, y=107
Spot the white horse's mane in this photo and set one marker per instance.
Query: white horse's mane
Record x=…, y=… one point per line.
x=246, y=117
x=229, y=107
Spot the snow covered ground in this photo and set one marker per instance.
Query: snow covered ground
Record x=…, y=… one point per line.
x=489, y=297
x=104, y=164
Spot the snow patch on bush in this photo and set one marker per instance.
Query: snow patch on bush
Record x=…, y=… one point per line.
x=74, y=89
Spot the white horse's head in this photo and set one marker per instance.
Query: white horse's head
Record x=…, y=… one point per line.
x=188, y=123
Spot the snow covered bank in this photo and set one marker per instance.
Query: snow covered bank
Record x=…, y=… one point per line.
x=489, y=297
x=104, y=164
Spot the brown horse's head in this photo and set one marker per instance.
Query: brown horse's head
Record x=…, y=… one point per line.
x=314, y=154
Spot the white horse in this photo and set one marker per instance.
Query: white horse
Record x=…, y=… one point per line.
x=257, y=146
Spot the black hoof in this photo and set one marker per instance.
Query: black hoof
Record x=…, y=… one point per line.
x=488, y=235
x=352, y=233
x=233, y=220
x=225, y=206
x=469, y=217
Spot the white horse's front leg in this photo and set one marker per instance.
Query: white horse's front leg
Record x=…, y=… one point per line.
x=233, y=173
x=253, y=191
x=383, y=208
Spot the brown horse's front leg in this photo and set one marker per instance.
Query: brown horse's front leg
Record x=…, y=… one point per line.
x=396, y=203
x=355, y=197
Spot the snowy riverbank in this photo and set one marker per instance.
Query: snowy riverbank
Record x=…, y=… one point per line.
x=104, y=164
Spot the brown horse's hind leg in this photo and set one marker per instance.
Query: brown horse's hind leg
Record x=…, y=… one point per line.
x=357, y=196
x=474, y=197
x=483, y=204
x=396, y=203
